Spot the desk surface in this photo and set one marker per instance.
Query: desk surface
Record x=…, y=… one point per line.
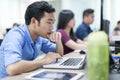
x=85, y=77
x=21, y=76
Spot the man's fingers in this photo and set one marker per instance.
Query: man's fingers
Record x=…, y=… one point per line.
x=54, y=37
x=58, y=56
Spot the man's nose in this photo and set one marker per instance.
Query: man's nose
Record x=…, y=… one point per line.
x=51, y=27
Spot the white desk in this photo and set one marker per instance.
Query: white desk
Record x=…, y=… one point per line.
x=21, y=76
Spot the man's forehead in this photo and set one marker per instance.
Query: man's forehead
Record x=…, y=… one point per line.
x=49, y=16
x=48, y=19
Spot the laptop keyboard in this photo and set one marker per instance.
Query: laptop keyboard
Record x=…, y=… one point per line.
x=71, y=62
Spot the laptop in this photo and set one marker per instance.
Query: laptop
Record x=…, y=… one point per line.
x=68, y=63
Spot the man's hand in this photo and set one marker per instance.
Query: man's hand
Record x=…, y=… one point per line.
x=55, y=37
x=50, y=57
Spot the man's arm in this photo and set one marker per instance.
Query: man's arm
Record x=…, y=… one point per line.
x=56, y=37
x=26, y=66
x=59, y=47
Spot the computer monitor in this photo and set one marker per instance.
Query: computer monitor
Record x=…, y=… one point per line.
x=106, y=24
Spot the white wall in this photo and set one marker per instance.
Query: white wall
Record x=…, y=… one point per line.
x=9, y=12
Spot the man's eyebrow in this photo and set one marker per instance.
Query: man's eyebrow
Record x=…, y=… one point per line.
x=51, y=19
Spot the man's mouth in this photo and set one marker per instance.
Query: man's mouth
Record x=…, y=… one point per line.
x=48, y=34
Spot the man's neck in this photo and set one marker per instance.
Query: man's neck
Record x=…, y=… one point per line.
x=32, y=34
x=87, y=23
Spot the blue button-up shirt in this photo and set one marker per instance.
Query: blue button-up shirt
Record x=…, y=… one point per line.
x=18, y=45
x=83, y=31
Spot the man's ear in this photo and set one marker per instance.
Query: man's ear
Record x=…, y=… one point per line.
x=33, y=21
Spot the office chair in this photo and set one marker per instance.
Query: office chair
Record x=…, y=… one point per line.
x=1, y=41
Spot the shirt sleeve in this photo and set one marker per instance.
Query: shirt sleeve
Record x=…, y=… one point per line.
x=65, y=38
x=81, y=33
x=12, y=48
x=48, y=46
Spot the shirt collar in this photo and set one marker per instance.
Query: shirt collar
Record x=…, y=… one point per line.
x=87, y=26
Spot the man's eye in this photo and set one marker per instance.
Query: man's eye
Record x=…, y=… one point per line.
x=50, y=22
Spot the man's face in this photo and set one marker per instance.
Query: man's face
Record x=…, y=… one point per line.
x=118, y=25
x=45, y=26
x=90, y=18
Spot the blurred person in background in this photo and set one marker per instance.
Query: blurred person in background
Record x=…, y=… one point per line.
x=84, y=29
x=117, y=29
x=66, y=23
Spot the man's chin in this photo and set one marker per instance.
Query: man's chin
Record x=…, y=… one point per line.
x=44, y=36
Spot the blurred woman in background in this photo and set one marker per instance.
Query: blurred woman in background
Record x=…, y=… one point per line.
x=66, y=23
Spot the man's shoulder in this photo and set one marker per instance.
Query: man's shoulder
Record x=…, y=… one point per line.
x=82, y=27
x=16, y=33
x=18, y=29
x=22, y=28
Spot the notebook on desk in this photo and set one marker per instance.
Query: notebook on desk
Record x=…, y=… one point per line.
x=68, y=63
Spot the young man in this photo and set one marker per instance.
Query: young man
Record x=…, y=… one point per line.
x=22, y=44
x=84, y=29
x=117, y=29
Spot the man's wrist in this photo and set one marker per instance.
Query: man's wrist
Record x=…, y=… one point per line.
x=58, y=41
x=41, y=61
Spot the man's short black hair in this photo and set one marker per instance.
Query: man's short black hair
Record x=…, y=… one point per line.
x=37, y=10
x=88, y=12
x=118, y=22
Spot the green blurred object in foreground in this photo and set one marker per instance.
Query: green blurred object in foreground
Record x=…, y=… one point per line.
x=98, y=56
